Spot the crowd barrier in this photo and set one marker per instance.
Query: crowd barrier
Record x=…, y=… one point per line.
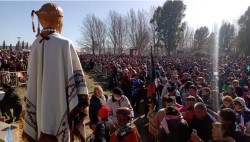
x=15, y=79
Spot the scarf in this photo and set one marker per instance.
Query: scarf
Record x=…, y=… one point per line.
x=164, y=123
x=121, y=131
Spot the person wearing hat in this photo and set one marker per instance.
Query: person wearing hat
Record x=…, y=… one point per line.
x=57, y=96
x=125, y=130
x=103, y=127
x=241, y=111
x=116, y=101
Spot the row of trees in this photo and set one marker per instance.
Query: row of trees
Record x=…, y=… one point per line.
x=164, y=28
x=19, y=45
x=118, y=32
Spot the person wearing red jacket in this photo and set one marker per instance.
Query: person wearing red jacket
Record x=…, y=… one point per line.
x=125, y=131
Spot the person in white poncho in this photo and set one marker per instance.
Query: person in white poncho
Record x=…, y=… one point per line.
x=57, y=96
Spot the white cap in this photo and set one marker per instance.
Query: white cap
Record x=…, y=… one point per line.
x=240, y=100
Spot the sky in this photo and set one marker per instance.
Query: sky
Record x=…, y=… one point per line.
x=16, y=15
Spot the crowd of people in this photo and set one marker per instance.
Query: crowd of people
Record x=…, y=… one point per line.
x=192, y=106
x=13, y=61
x=186, y=89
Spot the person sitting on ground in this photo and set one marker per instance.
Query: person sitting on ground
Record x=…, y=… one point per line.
x=11, y=100
x=125, y=131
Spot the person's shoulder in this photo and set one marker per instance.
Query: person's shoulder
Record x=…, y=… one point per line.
x=93, y=98
x=59, y=37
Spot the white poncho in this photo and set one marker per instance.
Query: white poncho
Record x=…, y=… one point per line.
x=55, y=77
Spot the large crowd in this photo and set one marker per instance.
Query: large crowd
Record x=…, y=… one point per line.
x=189, y=107
x=195, y=102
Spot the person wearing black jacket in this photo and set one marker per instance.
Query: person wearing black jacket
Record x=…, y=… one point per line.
x=103, y=127
x=11, y=100
x=97, y=100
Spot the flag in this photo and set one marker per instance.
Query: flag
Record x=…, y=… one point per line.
x=8, y=137
x=156, y=103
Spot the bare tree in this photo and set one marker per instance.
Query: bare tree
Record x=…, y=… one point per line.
x=93, y=31
x=188, y=37
x=117, y=31
x=138, y=31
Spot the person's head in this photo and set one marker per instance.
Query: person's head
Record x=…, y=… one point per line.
x=192, y=90
x=230, y=89
x=172, y=111
x=200, y=80
x=103, y=113
x=220, y=131
x=98, y=91
x=123, y=115
x=235, y=82
x=190, y=101
x=172, y=89
x=174, y=78
x=167, y=101
x=227, y=115
x=117, y=93
x=239, y=103
x=227, y=101
x=186, y=76
x=217, y=132
x=188, y=84
x=126, y=71
x=200, y=110
x=206, y=91
x=50, y=15
x=6, y=87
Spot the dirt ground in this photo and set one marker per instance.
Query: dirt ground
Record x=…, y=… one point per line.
x=93, y=78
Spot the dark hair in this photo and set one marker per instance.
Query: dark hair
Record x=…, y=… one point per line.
x=227, y=114
x=191, y=98
x=171, y=110
x=125, y=111
x=200, y=105
x=188, y=84
x=118, y=91
x=193, y=87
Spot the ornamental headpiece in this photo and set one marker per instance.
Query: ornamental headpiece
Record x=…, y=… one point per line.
x=50, y=15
